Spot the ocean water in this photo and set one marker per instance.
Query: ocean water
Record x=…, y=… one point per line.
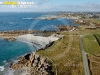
x=11, y=50
x=22, y=21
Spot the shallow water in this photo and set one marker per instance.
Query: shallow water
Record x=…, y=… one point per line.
x=11, y=50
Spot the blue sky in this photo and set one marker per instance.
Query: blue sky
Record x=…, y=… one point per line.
x=57, y=5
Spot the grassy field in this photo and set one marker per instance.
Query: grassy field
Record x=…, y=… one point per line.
x=93, y=20
x=91, y=45
x=98, y=37
x=82, y=31
x=65, y=54
x=93, y=49
x=94, y=63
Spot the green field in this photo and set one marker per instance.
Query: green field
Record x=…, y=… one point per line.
x=66, y=55
x=98, y=37
x=91, y=44
x=68, y=61
x=92, y=47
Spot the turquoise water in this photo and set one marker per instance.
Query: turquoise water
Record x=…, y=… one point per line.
x=12, y=50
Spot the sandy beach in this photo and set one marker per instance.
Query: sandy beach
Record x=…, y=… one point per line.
x=38, y=41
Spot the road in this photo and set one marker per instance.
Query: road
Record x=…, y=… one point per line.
x=84, y=56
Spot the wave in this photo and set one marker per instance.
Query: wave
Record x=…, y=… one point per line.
x=9, y=72
x=4, y=61
x=10, y=22
x=1, y=68
x=28, y=18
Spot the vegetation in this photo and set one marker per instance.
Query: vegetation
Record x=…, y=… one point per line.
x=97, y=37
x=68, y=59
x=94, y=63
x=94, y=20
x=91, y=45
x=65, y=54
x=93, y=49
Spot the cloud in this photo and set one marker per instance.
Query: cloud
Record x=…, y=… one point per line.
x=42, y=2
x=45, y=5
x=93, y=6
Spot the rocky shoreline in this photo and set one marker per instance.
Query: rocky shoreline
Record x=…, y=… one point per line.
x=10, y=39
x=32, y=64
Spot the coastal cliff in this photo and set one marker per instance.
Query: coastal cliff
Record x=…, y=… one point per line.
x=32, y=64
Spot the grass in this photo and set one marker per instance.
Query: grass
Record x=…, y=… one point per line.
x=91, y=45
x=82, y=31
x=68, y=60
x=94, y=64
x=94, y=20
x=98, y=37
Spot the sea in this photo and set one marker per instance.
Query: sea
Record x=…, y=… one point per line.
x=9, y=21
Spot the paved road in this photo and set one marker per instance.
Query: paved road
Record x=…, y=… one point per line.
x=85, y=61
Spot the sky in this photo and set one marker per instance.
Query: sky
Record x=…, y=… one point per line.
x=55, y=5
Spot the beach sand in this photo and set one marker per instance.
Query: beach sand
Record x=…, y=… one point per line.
x=38, y=41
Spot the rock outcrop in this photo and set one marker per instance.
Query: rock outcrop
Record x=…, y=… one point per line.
x=34, y=64
x=10, y=39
